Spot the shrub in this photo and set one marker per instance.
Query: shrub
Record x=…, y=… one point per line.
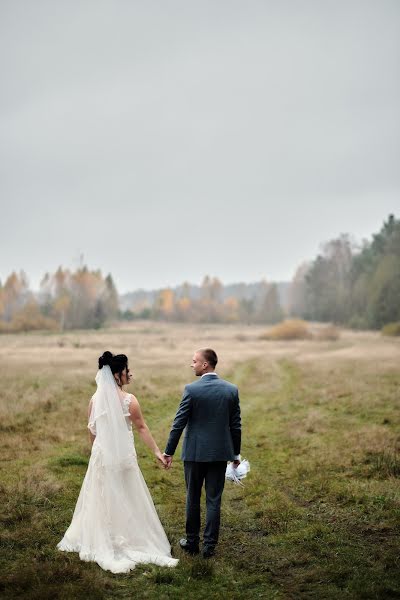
x=391, y=329
x=290, y=329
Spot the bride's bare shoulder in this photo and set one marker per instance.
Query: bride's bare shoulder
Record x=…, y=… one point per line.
x=133, y=403
x=135, y=413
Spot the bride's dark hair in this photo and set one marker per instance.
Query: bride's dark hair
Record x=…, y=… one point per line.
x=117, y=362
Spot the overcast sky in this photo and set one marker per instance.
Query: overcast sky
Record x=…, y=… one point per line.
x=165, y=140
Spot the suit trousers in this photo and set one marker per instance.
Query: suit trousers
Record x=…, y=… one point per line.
x=212, y=474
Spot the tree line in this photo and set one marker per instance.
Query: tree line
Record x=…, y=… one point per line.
x=211, y=302
x=348, y=284
x=357, y=285
x=66, y=300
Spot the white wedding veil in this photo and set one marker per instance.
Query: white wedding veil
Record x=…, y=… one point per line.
x=107, y=422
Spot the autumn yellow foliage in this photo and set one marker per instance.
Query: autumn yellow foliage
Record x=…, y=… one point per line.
x=290, y=329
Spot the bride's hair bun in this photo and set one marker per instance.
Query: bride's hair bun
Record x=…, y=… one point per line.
x=105, y=359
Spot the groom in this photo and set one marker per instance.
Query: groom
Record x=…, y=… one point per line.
x=210, y=411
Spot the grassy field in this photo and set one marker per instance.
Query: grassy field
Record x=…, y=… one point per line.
x=318, y=516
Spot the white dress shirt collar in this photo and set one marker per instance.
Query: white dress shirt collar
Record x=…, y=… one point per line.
x=212, y=373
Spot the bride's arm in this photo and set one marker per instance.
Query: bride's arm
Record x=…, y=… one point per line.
x=92, y=437
x=140, y=425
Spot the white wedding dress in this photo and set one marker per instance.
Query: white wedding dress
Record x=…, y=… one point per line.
x=115, y=523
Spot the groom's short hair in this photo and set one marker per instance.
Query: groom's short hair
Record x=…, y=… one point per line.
x=210, y=356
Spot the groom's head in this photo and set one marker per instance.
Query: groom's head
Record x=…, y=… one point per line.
x=204, y=361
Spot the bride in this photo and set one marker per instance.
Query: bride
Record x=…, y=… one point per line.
x=115, y=523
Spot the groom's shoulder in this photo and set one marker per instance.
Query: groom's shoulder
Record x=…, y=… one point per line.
x=218, y=381
x=229, y=385
x=190, y=386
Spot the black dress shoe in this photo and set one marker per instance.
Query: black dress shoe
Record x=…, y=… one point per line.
x=191, y=549
x=208, y=552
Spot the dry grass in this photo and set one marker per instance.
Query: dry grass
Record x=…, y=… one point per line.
x=318, y=517
x=328, y=333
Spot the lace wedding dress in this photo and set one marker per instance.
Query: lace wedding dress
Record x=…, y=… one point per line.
x=115, y=523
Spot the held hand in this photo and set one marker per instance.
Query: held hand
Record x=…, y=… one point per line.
x=161, y=458
x=168, y=461
x=236, y=463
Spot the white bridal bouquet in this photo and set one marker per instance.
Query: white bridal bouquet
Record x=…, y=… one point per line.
x=238, y=473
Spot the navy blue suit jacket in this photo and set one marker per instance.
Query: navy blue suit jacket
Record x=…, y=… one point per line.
x=210, y=412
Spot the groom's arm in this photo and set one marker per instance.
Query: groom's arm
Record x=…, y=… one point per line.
x=235, y=425
x=179, y=424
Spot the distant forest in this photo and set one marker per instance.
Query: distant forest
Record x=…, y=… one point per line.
x=351, y=284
